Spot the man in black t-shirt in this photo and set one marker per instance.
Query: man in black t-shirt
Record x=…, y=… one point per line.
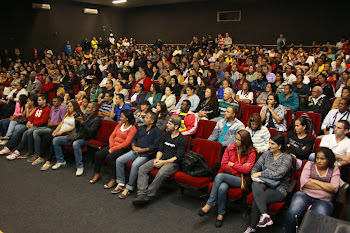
x=171, y=149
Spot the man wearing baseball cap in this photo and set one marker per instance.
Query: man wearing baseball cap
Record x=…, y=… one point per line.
x=171, y=149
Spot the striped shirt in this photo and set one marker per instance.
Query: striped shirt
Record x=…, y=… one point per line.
x=223, y=105
x=106, y=107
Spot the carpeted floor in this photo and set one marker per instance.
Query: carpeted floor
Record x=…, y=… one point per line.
x=33, y=201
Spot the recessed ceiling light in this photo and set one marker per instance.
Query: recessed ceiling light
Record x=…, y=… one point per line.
x=119, y=1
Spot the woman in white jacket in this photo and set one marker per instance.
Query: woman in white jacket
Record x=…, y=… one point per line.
x=169, y=98
x=260, y=134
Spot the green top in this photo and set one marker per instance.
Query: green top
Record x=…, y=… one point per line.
x=156, y=98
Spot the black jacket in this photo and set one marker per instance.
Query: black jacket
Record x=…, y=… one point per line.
x=87, y=130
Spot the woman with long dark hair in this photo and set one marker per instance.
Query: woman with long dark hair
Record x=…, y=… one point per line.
x=154, y=96
x=271, y=175
x=319, y=182
x=163, y=115
x=273, y=114
x=119, y=144
x=208, y=108
x=260, y=83
x=238, y=160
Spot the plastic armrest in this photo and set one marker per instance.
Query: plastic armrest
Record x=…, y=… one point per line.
x=291, y=186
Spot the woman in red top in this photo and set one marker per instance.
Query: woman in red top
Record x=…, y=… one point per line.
x=47, y=87
x=119, y=144
x=239, y=158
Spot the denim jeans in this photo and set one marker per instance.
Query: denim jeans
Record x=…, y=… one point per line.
x=11, y=128
x=221, y=184
x=300, y=204
x=27, y=140
x=60, y=141
x=16, y=136
x=120, y=168
x=4, y=124
x=37, y=134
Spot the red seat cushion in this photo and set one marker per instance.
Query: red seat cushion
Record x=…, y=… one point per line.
x=195, y=182
x=274, y=207
x=233, y=194
x=128, y=165
x=97, y=143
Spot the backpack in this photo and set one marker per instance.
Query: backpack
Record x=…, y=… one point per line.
x=194, y=164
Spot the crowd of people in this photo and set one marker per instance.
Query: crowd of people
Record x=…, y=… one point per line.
x=159, y=93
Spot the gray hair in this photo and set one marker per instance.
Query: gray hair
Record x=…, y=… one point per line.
x=229, y=90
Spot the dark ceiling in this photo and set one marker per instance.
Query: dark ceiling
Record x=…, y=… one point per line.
x=135, y=3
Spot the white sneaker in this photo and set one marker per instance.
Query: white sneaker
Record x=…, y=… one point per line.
x=14, y=155
x=80, y=171
x=5, y=151
x=58, y=165
x=3, y=142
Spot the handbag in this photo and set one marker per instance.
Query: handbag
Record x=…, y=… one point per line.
x=20, y=119
x=194, y=164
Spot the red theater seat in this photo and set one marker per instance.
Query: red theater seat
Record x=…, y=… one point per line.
x=205, y=128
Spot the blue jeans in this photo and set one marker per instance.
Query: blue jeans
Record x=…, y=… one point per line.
x=37, y=134
x=222, y=183
x=120, y=168
x=11, y=128
x=299, y=205
x=60, y=141
x=4, y=124
x=17, y=134
x=27, y=139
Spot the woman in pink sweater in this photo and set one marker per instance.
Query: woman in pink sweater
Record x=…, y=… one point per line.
x=239, y=158
x=119, y=144
x=319, y=182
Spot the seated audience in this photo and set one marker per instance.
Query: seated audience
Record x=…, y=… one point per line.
x=143, y=147
x=189, y=120
x=84, y=103
x=245, y=95
x=208, y=108
x=154, y=95
x=319, y=182
x=298, y=143
x=106, y=107
x=118, y=89
x=327, y=88
x=317, y=102
x=190, y=96
x=236, y=163
x=261, y=100
x=169, y=98
x=271, y=175
x=226, y=129
x=260, y=134
x=303, y=90
x=224, y=103
x=119, y=144
x=144, y=80
x=95, y=91
x=138, y=96
x=220, y=91
x=289, y=99
x=280, y=82
x=260, y=83
x=163, y=115
x=172, y=147
x=117, y=107
x=175, y=85
x=86, y=127
x=335, y=115
x=273, y=114
x=345, y=93
x=141, y=113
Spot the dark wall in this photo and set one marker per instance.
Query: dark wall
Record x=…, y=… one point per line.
x=261, y=22
x=27, y=28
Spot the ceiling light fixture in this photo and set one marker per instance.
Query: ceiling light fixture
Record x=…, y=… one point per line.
x=119, y=1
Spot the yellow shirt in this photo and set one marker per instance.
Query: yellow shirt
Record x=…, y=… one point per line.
x=94, y=44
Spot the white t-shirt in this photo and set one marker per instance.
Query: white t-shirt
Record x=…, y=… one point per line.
x=248, y=96
x=330, y=142
x=290, y=79
x=333, y=117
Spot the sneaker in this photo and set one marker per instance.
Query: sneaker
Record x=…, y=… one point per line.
x=46, y=166
x=80, y=171
x=5, y=151
x=124, y=194
x=14, y=155
x=58, y=165
x=38, y=161
x=264, y=221
x=118, y=189
x=249, y=230
x=32, y=158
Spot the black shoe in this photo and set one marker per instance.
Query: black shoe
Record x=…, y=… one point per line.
x=218, y=222
x=141, y=200
x=202, y=213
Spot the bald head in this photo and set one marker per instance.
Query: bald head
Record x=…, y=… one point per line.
x=316, y=91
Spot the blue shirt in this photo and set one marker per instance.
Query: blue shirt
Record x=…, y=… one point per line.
x=223, y=132
x=118, y=110
x=147, y=139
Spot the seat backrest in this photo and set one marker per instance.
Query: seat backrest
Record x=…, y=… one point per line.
x=317, y=144
x=272, y=131
x=208, y=149
x=189, y=143
x=105, y=130
x=289, y=117
x=205, y=129
x=248, y=111
x=316, y=119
